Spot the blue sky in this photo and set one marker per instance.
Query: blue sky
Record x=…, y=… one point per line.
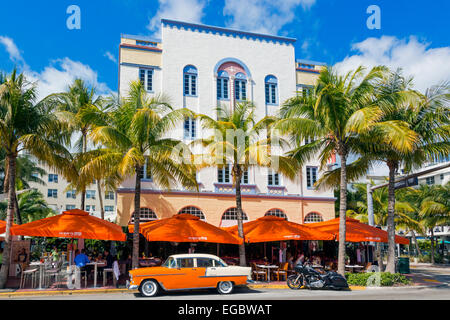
x=34, y=35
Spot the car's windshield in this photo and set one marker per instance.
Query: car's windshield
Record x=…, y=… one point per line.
x=170, y=263
x=220, y=263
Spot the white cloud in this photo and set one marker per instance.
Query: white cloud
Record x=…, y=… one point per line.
x=58, y=75
x=184, y=10
x=263, y=16
x=110, y=56
x=14, y=53
x=428, y=66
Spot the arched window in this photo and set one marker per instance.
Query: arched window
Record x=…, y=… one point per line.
x=240, y=89
x=194, y=211
x=276, y=213
x=222, y=84
x=145, y=215
x=190, y=80
x=231, y=214
x=271, y=87
x=313, y=217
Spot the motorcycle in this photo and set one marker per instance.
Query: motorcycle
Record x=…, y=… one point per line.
x=313, y=279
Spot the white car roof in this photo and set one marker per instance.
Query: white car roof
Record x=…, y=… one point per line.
x=194, y=255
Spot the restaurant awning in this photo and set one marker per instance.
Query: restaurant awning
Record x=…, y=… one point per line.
x=3, y=226
x=356, y=231
x=271, y=228
x=74, y=223
x=185, y=228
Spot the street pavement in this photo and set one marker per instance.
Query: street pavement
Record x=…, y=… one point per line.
x=438, y=293
x=430, y=283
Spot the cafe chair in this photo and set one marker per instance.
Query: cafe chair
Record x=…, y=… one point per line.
x=52, y=272
x=105, y=275
x=28, y=274
x=281, y=272
x=258, y=273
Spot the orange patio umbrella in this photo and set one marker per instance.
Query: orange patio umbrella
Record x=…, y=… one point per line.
x=3, y=226
x=74, y=223
x=185, y=228
x=356, y=231
x=272, y=228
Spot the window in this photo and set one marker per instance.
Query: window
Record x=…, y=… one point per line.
x=311, y=176
x=219, y=263
x=90, y=208
x=52, y=193
x=189, y=128
x=70, y=206
x=185, y=262
x=273, y=179
x=304, y=90
x=222, y=85
x=71, y=194
x=109, y=208
x=53, y=178
x=109, y=195
x=276, y=213
x=146, y=173
x=240, y=87
x=190, y=81
x=442, y=176
x=170, y=263
x=194, y=211
x=204, y=263
x=429, y=180
x=271, y=89
x=309, y=140
x=244, y=178
x=231, y=214
x=146, y=214
x=313, y=217
x=146, y=43
x=90, y=194
x=223, y=174
x=146, y=78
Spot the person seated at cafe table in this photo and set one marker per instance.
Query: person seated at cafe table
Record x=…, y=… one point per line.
x=108, y=258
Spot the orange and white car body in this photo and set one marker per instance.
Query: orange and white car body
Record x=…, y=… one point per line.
x=190, y=271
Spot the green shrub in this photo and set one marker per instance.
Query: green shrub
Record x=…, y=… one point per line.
x=387, y=279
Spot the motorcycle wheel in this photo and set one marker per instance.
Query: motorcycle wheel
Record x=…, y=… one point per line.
x=294, y=282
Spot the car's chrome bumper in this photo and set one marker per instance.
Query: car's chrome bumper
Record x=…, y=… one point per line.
x=131, y=287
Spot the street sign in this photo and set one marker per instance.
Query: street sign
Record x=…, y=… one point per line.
x=407, y=183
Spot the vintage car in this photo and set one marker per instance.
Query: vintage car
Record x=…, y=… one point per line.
x=188, y=271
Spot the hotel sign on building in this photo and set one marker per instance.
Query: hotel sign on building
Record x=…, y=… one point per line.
x=200, y=67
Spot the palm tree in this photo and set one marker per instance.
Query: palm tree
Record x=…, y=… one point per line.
x=435, y=209
x=339, y=112
x=32, y=206
x=135, y=136
x=403, y=212
x=421, y=121
x=236, y=142
x=24, y=125
x=69, y=107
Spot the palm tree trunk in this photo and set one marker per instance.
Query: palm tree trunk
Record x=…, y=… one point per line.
x=102, y=210
x=83, y=191
x=237, y=172
x=137, y=214
x=17, y=210
x=432, y=246
x=342, y=213
x=6, y=179
x=9, y=218
x=419, y=253
x=390, y=266
x=379, y=257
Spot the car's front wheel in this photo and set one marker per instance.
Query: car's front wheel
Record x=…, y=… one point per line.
x=149, y=288
x=225, y=287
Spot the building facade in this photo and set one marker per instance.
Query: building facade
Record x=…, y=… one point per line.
x=201, y=67
x=60, y=198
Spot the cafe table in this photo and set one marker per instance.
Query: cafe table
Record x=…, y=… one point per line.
x=41, y=271
x=268, y=267
x=96, y=264
x=353, y=267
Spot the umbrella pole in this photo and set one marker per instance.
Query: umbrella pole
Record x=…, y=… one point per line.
x=218, y=250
